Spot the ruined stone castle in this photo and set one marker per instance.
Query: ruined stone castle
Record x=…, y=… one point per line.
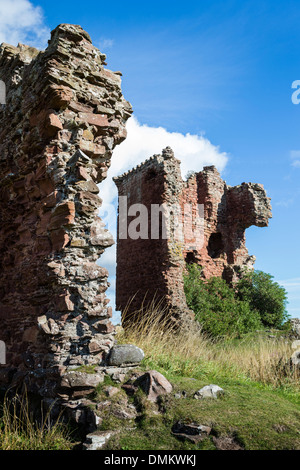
x=63, y=117
x=206, y=219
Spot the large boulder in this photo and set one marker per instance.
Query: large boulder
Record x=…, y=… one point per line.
x=154, y=385
x=124, y=354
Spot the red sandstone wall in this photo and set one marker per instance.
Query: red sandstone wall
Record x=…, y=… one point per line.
x=64, y=115
x=140, y=276
x=150, y=269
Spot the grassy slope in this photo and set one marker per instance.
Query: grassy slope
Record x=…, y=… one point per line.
x=261, y=406
x=259, y=418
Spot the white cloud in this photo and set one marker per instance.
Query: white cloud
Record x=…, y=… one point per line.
x=105, y=43
x=291, y=283
x=295, y=156
x=21, y=21
x=285, y=202
x=143, y=141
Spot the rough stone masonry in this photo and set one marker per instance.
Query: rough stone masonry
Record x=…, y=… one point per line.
x=152, y=267
x=64, y=115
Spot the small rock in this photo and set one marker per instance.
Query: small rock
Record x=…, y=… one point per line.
x=295, y=326
x=124, y=414
x=209, y=391
x=111, y=391
x=122, y=354
x=296, y=344
x=295, y=358
x=154, y=385
x=97, y=440
x=74, y=379
x=192, y=432
x=102, y=405
x=117, y=374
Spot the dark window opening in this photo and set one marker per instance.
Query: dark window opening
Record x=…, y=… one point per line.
x=215, y=245
x=151, y=174
x=190, y=258
x=209, y=209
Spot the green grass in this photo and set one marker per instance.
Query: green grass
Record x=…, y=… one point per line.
x=20, y=431
x=260, y=408
x=261, y=405
x=259, y=418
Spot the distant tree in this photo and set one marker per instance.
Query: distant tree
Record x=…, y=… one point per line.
x=216, y=306
x=256, y=301
x=265, y=296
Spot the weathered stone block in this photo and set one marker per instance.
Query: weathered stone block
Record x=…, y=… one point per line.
x=209, y=391
x=154, y=385
x=63, y=214
x=123, y=354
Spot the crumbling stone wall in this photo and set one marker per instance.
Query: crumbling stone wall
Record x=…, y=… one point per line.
x=64, y=115
x=207, y=220
x=149, y=268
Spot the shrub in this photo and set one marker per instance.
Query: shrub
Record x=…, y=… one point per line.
x=265, y=296
x=216, y=305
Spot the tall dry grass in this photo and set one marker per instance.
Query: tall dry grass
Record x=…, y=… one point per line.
x=190, y=352
x=19, y=431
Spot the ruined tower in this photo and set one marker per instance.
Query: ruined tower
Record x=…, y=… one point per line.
x=64, y=115
x=206, y=222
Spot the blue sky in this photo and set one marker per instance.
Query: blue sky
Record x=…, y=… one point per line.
x=219, y=70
